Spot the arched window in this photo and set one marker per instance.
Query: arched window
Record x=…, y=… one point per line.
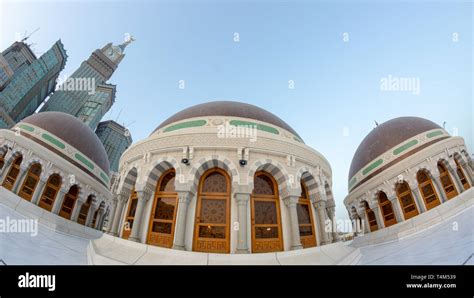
x=305, y=219
x=81, y=219
x=69, y=202
x=427, y=189
x=462, y=177
x=387, y=209
x=446, y=181
x=130, y=216
x=371, y=217
x=10, y=179
x=266, y=221
x=50, y=192
x=211, y=227
x=406, y=200
x=163, y=214
x=30, y=182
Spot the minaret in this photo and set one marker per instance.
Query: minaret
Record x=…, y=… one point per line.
x=86, y=94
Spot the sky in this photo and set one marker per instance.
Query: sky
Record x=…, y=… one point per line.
x=336, y=53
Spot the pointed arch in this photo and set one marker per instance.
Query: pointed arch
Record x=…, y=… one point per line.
x=427, y=189
x=13, y=172
x=406, y=200
x=50, y=192
x=446, y=179
x=30, y=182
x=386, y=207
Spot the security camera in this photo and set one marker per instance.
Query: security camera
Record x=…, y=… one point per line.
x=242, y=162
x=185, y=161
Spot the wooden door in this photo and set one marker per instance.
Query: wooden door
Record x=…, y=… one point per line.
x=427, y=190
x=82, y=218
x=371, y=218
x=163, y=216
x=305, y=219
x=212, y=228
x=69, y=202
x=447, y=182
x=406, y=200
x=50, y=192
x=13, y=172
x=387, y=210
x=265, y=215
x=31, y=181
x=461, y=175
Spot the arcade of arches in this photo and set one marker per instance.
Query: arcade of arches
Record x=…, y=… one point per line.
x=212, y=215
x=410, y=201
x=28, y=183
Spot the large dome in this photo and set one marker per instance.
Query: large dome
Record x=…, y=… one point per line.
x=228, y=108
x=74, y=132
x=386, y=136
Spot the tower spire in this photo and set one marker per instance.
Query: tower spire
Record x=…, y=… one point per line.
x=128, y=40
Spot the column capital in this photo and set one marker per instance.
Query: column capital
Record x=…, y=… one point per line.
x=242, y=198
x=291, y=200
x=320, y=204
x=184, y=196
x=144, y=194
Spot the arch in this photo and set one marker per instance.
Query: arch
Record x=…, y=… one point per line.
x=265, y=214
x=427, y=190
x=130, y=215
x=386, y=207
x=163, y=212
x=215, y=161
x=468, y=158
x=82, y=218
x=69, y=202
x=13, y=173
x=155, y=173
x=460, y=171
x=446, y=180
x=406, y=200
x=30, y=182
x=275, y=169
x=371, y=218
x=305, y=218
x=309, y=180
x=129, y=182
x=50, y=192
x=212, y=219
x=3, y=153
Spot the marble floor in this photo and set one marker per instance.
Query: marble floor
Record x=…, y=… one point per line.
x=440, y=245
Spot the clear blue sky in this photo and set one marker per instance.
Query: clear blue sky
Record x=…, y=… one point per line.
x=337, y=83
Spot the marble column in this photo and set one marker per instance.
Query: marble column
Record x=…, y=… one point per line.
x=143, y=197
x=110, y=220
x=378, y=216
x=467, y=171
x=291, y=203
x=242, y=213
x=397, y=209
x=454, y=176
x=90, y=215
x=117, y=216
x=184, y=198
x=98, y=221
x=363, y=217
x=420, y=204
x=320, y=205
x=439, y=189
x=38, y=191
x=6, y=167
x=76, y=210
x=58, y=201
x=331, y=210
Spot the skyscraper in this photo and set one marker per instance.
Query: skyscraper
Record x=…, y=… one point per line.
x=33, y=80
x=116, y=139
x=85, y=94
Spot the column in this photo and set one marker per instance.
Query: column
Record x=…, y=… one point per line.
x=38, y=191
x=467, y=171
x=6, y=167
x=19, y=179
x=184, y=198
x=76, y=210
x=90, y=215
x=415, y=191
x=58, y=201
x=378, y=216
x=455, y=177
x=320, y=205
x=397, y=209
x=117, y=216
x=242, y=210
x=291, y=202
x=439, y=189
x=332, y=216
x=111, y=218
x=143, y=197
x=98, y=221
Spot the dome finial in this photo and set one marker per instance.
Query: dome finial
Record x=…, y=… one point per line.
x=128, y=40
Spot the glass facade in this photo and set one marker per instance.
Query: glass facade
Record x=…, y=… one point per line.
x=116, y=139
